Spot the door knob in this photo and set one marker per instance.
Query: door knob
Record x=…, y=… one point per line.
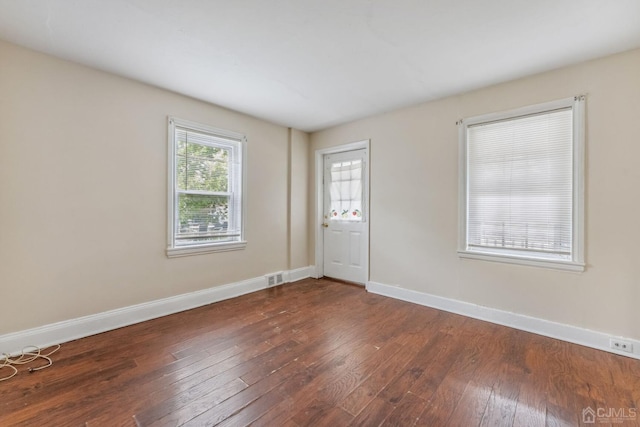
x=325, y=225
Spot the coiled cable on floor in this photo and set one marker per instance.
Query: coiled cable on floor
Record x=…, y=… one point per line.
x=29, y=354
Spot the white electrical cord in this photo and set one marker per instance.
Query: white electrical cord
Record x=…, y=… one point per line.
x=28, y=355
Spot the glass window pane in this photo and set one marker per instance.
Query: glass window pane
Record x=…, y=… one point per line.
x=202, y=167
x=346, y=191
x=203, y=219
x=520, y=184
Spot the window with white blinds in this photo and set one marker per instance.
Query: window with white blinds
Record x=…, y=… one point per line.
x=205, y=201
x=522, y=185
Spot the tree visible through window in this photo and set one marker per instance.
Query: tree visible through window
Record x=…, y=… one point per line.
x=206, y=197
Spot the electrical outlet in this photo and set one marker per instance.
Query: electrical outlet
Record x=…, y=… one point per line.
x=621, y=345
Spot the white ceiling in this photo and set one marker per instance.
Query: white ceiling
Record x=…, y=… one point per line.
x=312, y=64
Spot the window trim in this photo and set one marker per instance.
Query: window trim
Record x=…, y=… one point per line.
x=233, y=138
x=576, y=263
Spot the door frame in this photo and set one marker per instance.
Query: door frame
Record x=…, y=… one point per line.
x=319, y=200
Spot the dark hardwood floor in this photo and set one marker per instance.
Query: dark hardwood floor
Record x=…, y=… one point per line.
x=317, y=352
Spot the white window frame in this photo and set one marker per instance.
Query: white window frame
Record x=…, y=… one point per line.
x=232, y=139
x=576, y=263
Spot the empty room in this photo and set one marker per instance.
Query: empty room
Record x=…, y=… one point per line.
x=307, y=213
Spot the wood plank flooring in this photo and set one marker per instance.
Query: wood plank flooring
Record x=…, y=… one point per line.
x=317, y=353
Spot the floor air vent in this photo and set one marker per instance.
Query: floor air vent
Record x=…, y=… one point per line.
x=274, y=279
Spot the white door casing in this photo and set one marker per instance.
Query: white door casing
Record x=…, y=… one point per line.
x=345, y=215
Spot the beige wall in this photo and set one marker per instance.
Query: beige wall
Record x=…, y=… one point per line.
x=414, y=200
x=83, y=193
x=299, y=182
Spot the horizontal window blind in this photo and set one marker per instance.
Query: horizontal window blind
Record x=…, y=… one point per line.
x=200, y=164
x=520, y=185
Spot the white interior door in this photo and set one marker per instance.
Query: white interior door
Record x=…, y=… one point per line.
x=346, y=231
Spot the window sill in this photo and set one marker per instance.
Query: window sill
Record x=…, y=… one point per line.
x=532, y=262
x=205, y=249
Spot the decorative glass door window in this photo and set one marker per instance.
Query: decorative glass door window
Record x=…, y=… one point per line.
x=346, y=191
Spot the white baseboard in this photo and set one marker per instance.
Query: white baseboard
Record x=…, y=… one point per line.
x=315, y=273
x=301, y=273
x=573, y=334
x=81, y=327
